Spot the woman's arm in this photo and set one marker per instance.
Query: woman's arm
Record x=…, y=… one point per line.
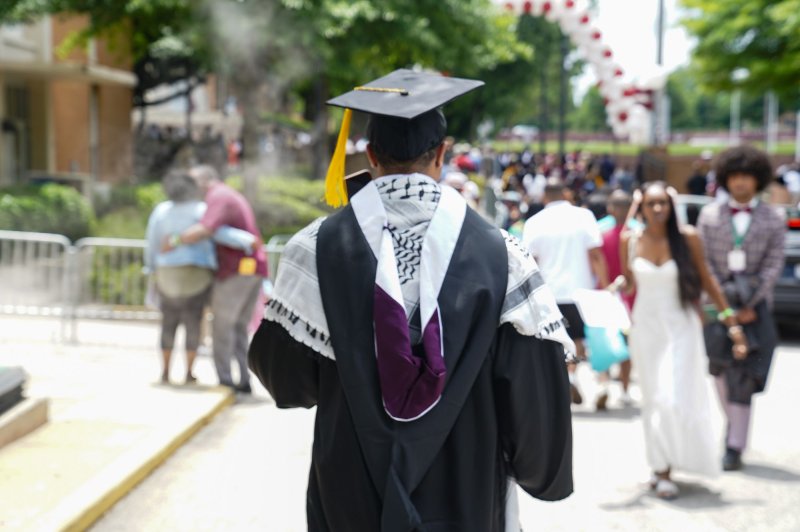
x=624, y=260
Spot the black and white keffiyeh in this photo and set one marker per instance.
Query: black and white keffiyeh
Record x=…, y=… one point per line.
x=410, y=202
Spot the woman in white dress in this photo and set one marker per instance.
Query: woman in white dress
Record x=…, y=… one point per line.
x=664, y=263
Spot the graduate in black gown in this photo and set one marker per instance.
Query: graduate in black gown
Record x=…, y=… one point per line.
x=425, y=337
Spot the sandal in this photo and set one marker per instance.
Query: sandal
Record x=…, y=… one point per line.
x=666, y=489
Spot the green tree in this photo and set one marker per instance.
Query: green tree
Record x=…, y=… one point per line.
x=759, y=36
x=271, y=49
x=590, y=115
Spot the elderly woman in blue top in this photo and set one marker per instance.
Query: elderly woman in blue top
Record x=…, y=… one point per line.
x=183, y=276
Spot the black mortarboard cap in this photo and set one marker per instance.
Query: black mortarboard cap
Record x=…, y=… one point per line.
x=405, y=119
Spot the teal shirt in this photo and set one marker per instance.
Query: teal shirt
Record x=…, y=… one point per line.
x=608, y=222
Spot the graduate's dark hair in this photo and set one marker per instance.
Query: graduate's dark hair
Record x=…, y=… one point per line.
x=394, y=166
x=688, y=276
x=744, y=160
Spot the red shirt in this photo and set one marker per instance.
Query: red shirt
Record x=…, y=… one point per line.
x=227, y=207
x=610, y=248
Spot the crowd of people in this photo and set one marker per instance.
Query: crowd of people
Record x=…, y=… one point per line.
x=699, y=297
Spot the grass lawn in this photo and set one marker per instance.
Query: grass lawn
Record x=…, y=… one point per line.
x=624, y=148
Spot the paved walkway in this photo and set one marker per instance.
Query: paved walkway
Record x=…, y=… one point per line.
x=110, y=423
x=248, y=470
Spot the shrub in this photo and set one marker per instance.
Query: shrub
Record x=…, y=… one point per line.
x=50, y=208
x=286, y=204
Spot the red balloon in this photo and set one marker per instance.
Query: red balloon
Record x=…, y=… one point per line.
x=527, y=7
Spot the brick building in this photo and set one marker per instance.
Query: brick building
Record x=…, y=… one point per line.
x=63, y=116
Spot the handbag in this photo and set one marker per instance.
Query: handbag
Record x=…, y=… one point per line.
x=606, y=347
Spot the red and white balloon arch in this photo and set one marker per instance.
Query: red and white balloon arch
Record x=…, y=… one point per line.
x=628, y=105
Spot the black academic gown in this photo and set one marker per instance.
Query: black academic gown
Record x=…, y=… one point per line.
x=505, y=409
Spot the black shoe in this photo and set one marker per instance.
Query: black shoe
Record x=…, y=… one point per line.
x=732, y=461
x=244, y=389
x=601, y=402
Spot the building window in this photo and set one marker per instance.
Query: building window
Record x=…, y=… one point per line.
x=15, y=131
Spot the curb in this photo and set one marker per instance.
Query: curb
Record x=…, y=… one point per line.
x=22, y=419
x=100, y=494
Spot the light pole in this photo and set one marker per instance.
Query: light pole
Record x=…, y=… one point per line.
x=797, y=138
x=562, y=102
x=658, y=97
x=771, y=112
x=735, y=134
x=736, y=117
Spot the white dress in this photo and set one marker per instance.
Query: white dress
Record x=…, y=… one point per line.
x=667, y=348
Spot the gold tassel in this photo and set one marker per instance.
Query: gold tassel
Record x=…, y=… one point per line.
x=335, y=192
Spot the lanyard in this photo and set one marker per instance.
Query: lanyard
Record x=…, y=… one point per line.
x=738, y=238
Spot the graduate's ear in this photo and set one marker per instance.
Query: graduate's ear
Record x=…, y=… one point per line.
x=373, y=161
x=440, y=151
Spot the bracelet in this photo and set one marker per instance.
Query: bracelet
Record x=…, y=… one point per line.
x=725, y=314
x=175, y=240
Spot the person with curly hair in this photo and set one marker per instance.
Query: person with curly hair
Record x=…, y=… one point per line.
x=744, y=239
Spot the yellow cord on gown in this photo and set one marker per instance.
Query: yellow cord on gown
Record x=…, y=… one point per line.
x=335, y=192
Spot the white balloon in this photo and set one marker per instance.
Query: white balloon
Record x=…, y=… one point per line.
x=556, y=11
x=581, y=41
x=537, y=8
x=611, y=90
x=569, y=25
x=582, y=7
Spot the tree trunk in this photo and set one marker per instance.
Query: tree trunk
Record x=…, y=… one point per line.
x=247, y=90
x=320, y=153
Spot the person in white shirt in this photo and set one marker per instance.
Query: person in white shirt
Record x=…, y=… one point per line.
x=567, y=244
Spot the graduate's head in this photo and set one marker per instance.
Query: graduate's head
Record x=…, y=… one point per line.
x=406, y=128
x=402, y=146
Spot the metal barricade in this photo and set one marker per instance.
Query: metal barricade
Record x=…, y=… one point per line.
x=96, y=278
x=109, y=280
x=34, y=274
